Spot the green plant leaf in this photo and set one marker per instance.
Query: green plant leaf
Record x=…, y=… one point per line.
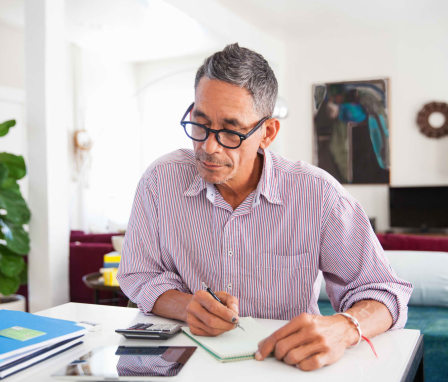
x=17, y=239
x=5, y=251
x=11, y=265
x=3, y=173
x=15, y=213
x=16, y=208
x=15, y=164
x=5, y=126
x=11, y=184
x=23, y=277
x=8, y=285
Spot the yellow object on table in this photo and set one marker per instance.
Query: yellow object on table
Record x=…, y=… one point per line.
x=112, y=257
x=110, y=276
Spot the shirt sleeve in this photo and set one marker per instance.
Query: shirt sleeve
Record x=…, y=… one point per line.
x=354, y=265
x=142, y=274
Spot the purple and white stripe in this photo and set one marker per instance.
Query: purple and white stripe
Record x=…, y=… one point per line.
x=267, y=252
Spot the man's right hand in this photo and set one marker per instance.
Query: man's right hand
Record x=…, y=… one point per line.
x=207, y=317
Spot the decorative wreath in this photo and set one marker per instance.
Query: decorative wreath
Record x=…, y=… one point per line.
x=423, y=119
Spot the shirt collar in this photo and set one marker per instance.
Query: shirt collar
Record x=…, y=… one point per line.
x=196, y=186
x=267, y=185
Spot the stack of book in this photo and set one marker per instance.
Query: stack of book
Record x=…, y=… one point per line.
x=26, y=339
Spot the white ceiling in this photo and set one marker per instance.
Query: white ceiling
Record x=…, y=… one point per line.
x=296, y=19
x=141, y=30
x=131, y=30
x=137, y=30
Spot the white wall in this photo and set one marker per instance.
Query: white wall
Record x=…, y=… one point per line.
x=413, y=53
x=12, y=94
x=165, y=90
x=408, y=45
x=46, y=118
x=12, y=62
x=106, y=107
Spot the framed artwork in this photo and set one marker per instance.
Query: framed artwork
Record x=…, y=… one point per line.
x=351, y=130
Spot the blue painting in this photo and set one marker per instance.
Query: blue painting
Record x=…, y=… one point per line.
x=351, y=130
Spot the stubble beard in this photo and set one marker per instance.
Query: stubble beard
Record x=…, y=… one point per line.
x=201, y=156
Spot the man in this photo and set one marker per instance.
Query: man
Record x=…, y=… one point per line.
x=257, y=227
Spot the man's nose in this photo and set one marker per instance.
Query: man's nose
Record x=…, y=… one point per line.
x=211, y=145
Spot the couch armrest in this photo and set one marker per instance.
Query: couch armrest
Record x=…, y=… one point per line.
x=393, y=241
x=85, y=258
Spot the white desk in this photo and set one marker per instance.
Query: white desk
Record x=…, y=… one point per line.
x=396, y=350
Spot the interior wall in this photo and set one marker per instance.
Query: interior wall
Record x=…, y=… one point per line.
x=410, y=49
x=105, y=178
x=12, y=94
x=165, y=89
x=414, y=57
x=12, y=63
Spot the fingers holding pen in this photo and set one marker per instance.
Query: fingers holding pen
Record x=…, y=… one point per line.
x=206, y=316
x=200, y=328
x=230, y=301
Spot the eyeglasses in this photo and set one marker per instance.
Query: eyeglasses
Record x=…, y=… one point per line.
x=227, y=138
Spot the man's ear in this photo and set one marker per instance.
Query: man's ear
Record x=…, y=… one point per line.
x=271, y=129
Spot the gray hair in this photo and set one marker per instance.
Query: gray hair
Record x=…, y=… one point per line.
x=244, y=68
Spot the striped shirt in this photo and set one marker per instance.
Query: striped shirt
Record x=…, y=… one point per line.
x=267, y=252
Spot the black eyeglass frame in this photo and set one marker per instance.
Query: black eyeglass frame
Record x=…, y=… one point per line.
x=208, y=130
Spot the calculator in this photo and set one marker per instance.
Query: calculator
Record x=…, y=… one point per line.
x=150, y=331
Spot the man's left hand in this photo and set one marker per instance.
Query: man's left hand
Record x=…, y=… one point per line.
x=309, y=341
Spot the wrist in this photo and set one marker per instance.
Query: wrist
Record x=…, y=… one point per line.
x=172, y=304
x=352, y=335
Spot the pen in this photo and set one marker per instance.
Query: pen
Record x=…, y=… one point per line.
x=217, y=299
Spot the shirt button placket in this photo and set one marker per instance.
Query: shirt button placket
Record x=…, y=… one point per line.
x=229, y=252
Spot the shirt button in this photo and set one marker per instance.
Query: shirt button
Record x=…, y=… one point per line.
x=230, y=253
x=229, y=286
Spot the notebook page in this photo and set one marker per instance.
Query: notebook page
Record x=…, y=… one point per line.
x=235, y=343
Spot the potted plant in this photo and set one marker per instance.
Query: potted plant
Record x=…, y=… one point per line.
x=14, y=215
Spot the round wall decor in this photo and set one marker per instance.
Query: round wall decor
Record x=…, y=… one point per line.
x=423, y=119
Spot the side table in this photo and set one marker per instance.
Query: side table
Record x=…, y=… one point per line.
x=95, y=281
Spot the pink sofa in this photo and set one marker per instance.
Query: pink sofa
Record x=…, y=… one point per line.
x=86, y=256
x=413, y=242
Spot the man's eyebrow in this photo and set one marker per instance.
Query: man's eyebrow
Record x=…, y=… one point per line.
x=197, y=113
x=228, y=121
x=233, y=122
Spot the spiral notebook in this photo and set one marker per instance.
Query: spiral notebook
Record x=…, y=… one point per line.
x=235, y=345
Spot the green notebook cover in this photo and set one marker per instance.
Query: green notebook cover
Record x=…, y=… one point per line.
x=235, y=345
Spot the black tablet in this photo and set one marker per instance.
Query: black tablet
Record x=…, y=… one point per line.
x=139, y=363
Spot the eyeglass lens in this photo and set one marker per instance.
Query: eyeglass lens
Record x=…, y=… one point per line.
x=199, y=133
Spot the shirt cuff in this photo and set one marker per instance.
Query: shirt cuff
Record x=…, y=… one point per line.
x=153, y=289
x=397, y=309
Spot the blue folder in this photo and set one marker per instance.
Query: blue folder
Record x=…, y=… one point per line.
x=56, y=331
x=38, y=356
